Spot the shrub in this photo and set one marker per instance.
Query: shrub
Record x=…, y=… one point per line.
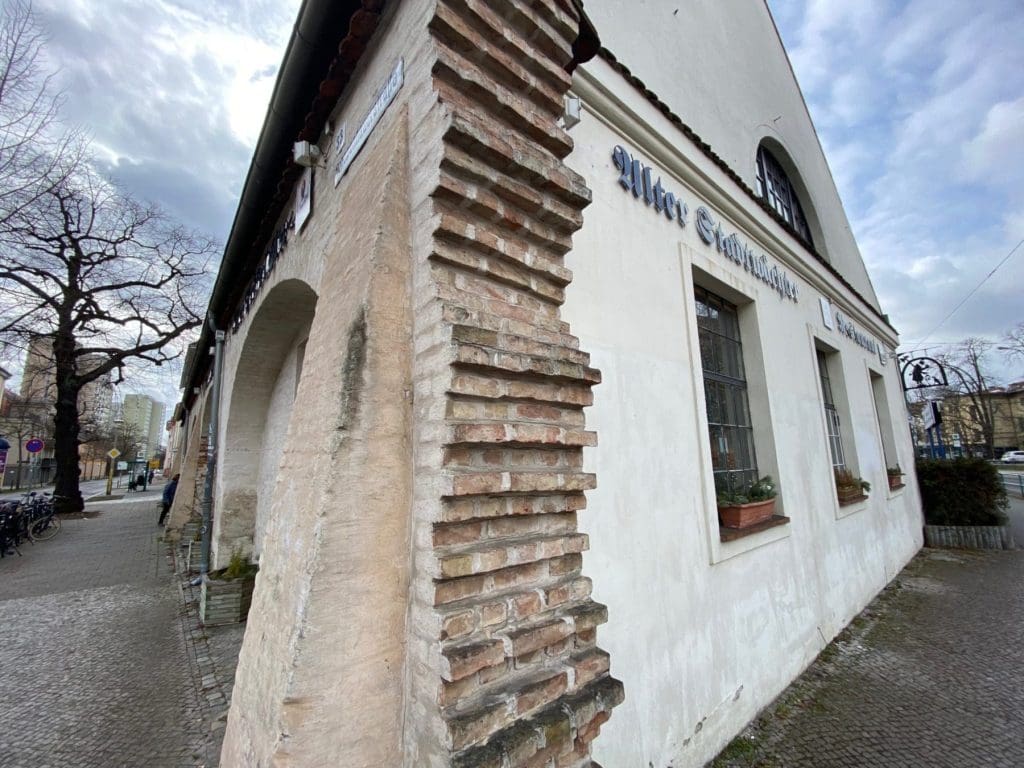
x=961, y=492
x=238, y=567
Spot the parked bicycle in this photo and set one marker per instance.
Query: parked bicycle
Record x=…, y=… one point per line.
x=12, y=528
x=40, y=520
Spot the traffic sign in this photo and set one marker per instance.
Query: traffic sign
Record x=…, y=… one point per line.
x=113, y=453
x=35, y=445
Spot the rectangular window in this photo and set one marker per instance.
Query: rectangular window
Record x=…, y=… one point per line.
x=725, y=389
x=885, y=430
x=832, y=422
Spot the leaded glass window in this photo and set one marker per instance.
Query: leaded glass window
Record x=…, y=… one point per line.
x=774, y=186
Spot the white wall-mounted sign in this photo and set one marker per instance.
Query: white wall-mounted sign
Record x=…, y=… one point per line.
x=826, y=313
x=384, y=98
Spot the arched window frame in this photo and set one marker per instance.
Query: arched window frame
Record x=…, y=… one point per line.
x=775, y=187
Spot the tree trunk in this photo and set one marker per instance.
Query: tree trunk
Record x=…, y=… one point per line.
x=66, y=427
x=65, y=438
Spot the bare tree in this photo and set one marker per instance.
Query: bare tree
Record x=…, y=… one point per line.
x=34, y=155
x=970, y=387
x=1013, y=342
x=108, y=282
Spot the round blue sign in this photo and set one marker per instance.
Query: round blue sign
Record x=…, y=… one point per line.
x=35, y=445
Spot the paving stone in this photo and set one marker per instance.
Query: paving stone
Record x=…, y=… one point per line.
x=95, y=664
x=930, y=676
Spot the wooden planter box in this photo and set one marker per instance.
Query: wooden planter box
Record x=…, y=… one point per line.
x=746, y=515
x=225, y=601
x=850, y=495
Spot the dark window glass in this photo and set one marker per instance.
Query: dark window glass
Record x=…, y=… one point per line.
x=835, y=438
x=725, y=390
x=774, y=186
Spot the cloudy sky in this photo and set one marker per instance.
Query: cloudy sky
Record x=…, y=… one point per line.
x=919, y=105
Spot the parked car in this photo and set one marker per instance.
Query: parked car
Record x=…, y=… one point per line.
x=1013, y=457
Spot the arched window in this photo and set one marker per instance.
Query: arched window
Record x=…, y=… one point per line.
x=774, y=186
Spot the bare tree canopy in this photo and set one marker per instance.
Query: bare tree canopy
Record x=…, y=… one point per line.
x=33, y=155
x=969, y=385
x=107, y=281
x=104, y=280
x=1013, y=342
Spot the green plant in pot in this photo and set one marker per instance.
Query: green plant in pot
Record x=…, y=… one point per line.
x=849, y=487
x=895, y=475
x=746, y=505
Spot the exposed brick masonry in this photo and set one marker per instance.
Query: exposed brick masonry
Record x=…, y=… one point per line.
x=522, y=681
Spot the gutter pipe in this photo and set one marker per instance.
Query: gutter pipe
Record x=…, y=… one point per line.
x=211, y=449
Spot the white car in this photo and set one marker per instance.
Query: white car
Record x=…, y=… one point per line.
x=1013, y=457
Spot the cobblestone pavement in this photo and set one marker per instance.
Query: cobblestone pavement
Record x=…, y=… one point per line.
x=94, y=669
x=930, y=675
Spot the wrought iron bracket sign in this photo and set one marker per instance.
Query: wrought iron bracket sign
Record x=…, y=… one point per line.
x=921, y=373
x=637, y=178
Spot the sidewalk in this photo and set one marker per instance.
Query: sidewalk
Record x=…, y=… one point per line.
x=95, y=666
x=931, y=674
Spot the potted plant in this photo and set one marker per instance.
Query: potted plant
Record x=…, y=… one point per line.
x=849, y=487
x=746, y=506
x=227, y=593
x=895, y=477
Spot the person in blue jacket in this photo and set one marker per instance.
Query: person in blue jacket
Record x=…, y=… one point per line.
x=168, y=498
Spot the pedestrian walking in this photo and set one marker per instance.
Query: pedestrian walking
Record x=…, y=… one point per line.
x=140, y=482
x=168, y=498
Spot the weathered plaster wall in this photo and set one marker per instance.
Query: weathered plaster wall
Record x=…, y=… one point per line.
x=257, y=395
x=279, y=411
x=189, y=494
x=705, y=633
x=320, y=673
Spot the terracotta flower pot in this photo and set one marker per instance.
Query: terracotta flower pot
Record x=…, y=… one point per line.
x=895, y=481
x=746, y=515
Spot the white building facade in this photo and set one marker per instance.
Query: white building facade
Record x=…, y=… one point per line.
x=726, y=339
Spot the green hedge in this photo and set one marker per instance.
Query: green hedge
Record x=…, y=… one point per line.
x=961, y=492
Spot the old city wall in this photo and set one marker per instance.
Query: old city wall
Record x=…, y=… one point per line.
x=421, y=599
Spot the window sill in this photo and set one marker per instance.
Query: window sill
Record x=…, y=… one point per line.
x=850, y=500
x=732, y=534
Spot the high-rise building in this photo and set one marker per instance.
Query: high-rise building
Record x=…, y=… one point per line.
x=144, y=417
x=38, y=383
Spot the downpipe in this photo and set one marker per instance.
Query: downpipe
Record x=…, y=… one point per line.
x=211, y=452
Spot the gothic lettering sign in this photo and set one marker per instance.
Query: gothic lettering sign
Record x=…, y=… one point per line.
x=846, y=327
x=638, y=179
x=740, y=253
x=273, y=252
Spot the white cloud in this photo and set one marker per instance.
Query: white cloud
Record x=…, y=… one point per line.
x=919, y=109
x=995, y=155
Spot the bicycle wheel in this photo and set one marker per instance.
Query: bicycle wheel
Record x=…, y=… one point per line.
x=44, y=529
